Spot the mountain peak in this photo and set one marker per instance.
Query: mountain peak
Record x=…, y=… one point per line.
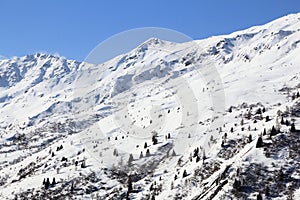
x=150, y=43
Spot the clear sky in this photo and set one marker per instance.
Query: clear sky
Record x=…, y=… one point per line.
x=73, y=28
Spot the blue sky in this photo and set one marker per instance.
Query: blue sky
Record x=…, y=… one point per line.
x=74, y=28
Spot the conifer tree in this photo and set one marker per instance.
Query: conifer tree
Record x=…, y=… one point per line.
x=259, y=197
x=184, y=174
x=293, y=128
x=83, y=164
x=141, y=155
x=47, y=183
x=130, y=160
x=53, y=181
x=273, y=131
x=265, y=132
x=260, y=142
x=173, y=153
x=258, y=111
x=129, y=185
x=282, y=121
x=154, y=140
x=287, y=123
x=147, y=153
x=250, y=138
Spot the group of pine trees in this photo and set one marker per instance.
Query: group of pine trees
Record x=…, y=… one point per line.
x=47, y=184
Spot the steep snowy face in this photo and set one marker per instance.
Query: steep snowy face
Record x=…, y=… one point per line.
x=38, y=67
x=151, y=114
x=32, y=83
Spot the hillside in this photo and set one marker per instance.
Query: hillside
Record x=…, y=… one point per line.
x=208, y=119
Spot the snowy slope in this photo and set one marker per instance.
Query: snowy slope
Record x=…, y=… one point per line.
x=80, y=123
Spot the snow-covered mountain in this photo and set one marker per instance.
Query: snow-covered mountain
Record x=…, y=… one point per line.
x=211, y=119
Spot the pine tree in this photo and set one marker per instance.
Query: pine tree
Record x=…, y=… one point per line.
x=260, y=142
x=72, y=187
x=141, y=155
x=169, y=135
x=248, y=116
x=267, y=192
x=281, y=175
x=145, y=145
x=172, y=185
x=115, y=153
x=237, y=184
x=250, y=138
x=273, y=131
x=47, y=183
x=282, y=121
x=184, y=174
x=83, y=164
x=265, y=132
x=259, y=197
x=196, y=152
x=258, y=112
x=53, y=181
x=287, y=123
x=129, y=185
x=147, y=153
x=293, y=128
x=222, y=144
x=173, y=153
x=154, y=140
x=151, y=187
x=130, y=160
x=204, y=155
